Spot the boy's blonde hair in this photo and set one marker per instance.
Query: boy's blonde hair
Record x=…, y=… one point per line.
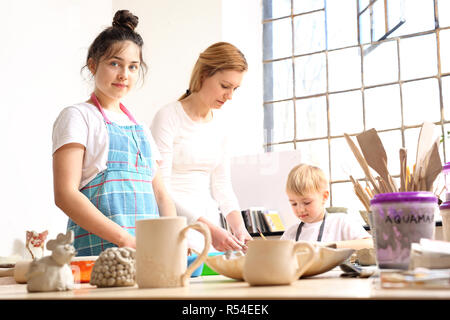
x=305, y=179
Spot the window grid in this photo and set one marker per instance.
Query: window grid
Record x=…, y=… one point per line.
x=436, y=31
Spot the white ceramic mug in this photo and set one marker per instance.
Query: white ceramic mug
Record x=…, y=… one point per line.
x=274, y=262
x=161, y=252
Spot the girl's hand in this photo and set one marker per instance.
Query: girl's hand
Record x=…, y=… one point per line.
x=128, y=241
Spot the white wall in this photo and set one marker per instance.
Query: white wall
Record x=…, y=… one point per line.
x=175, y=32
x=44, y=44
x=43, y=48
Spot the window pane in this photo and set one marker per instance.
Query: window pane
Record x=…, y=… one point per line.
x=418, y=57
x=363, y=4
x=276, y=8
x=365, y=27
x=310, y=75
x=421, y=101
x=446, y=96
x=382, y=105
x=379, y=27
x=345, y=196
x=307, y=5
x=343, y=162
x=444, y=38
x=396, y=13
x=381, y=64
x=309, y=31
x=344, y=69
x=341, y=23
x=281, y=79
x=346, y=114
x=315, y=153
x=392, y=142
x=280, y=45
x=311, y=118
x=283, y=121
x=444, y=13
x=418, y=15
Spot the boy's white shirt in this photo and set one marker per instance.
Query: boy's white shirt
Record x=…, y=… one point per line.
x=338, y=227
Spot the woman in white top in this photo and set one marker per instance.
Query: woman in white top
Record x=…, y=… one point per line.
x=192, y=140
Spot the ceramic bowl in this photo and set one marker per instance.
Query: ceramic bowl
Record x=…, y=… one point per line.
x=231, y=268
x=82, y=268
x=325, y=260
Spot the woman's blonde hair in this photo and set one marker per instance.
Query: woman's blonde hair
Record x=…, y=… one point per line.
x=218, y=57
x=305, y=179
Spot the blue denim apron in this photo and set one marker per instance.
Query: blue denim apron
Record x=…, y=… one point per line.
x=123, y=192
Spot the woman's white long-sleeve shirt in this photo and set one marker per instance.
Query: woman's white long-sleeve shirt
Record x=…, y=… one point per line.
x=195, y=163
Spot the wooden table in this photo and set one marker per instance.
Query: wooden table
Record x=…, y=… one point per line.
x=328, y=285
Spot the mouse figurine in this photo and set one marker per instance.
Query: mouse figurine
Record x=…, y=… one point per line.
x=53, y=273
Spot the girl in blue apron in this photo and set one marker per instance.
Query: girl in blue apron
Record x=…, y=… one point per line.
x=104, y=162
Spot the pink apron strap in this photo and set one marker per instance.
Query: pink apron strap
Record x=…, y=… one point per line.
x=122, y=107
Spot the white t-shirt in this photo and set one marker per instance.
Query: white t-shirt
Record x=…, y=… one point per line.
x=338, y=227
x=83, y=123
x=195, y=163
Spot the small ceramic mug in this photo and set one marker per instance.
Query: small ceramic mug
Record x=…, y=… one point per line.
x=274, y=262
x=161, y=252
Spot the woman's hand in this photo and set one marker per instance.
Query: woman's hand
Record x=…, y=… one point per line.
x=236, y=223
x=222, y=240
x=243, y=236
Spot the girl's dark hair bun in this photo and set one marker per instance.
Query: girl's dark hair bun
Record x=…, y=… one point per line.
x=125, y=19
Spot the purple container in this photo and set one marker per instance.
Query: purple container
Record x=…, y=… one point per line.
x=400, y=219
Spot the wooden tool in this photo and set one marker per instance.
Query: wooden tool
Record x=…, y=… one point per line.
x=373, y=150
x=403, y=160
x=362, y=195
x=433, y=166
x=261, y=234
x=424, y=144
x=362, y=162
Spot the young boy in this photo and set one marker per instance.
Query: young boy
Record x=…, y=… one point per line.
x=307, y=190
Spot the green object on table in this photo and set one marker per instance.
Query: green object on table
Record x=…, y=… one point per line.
x=207, y=271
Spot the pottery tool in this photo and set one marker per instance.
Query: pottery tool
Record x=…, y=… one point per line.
x=374, y=153
x=362, y=162
x=424, y=144
x=261, y=234
x=361, y=194
x=433, y=166
x=403, y=160
x=352, y=271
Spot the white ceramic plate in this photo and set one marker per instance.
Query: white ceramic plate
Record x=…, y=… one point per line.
x=325, y=260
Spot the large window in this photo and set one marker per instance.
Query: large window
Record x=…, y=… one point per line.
x=335, y=67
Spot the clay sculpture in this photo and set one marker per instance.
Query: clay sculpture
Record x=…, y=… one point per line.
x=53, y=273
x=115, y=267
